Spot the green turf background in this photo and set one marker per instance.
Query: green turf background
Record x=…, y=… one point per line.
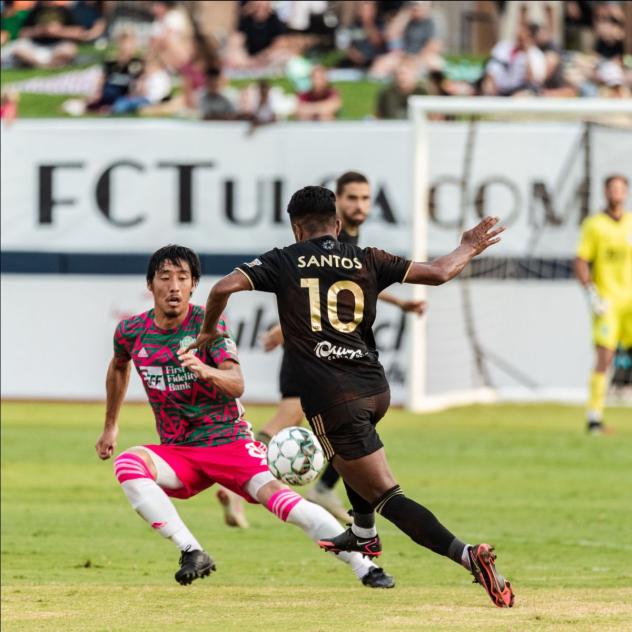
x=556, y=503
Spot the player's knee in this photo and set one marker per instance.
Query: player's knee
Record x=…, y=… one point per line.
x=262, y=493
x=132, y=465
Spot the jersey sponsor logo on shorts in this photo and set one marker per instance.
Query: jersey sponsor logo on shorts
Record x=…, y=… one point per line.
x=329, y=351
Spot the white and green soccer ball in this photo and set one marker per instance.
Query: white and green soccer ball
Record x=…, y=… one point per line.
x=295, y=456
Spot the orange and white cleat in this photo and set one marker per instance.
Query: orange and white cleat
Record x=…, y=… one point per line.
x=482, y=558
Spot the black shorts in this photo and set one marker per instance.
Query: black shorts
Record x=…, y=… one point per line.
x=287, y=385
x=348, y=429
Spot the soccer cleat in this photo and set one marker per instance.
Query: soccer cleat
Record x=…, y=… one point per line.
x=329, y=500
x=349, y=541
x=594, y=427
x=378, y=578
x=194, y=564
x=598, y=428
x=234, y=514
x=482, y=558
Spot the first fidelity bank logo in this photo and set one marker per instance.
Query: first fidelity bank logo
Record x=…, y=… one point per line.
x=154, y=377
x=167, y=378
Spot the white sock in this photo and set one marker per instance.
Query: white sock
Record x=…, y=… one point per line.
x=364, y=532
x=361, y=565
x=152, y=504
x=318, y=523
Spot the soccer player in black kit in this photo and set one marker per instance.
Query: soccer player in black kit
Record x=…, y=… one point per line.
x=353, y=205
x=326, y=295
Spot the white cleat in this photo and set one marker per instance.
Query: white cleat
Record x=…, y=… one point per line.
x=331, y=502
x=233, y=504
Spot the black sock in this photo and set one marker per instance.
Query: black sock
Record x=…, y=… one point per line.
x=329, y=478
x=363, y=513
x=419, y=524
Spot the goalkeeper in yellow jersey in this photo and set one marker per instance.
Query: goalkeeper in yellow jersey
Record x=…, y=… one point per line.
x=603, y=266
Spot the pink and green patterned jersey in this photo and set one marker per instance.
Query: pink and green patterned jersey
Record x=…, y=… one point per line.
x=188, y=411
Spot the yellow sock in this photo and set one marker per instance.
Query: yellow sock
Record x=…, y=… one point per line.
x=597, y=398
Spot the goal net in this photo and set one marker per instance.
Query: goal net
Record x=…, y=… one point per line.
x=515, y=325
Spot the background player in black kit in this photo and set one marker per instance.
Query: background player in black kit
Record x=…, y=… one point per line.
x=326, y=295
x=353, y=205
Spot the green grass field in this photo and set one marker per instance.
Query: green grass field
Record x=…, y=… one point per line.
x=555, y=502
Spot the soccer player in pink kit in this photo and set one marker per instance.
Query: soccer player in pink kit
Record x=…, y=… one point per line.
x=204, y=437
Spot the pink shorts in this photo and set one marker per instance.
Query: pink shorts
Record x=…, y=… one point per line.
x=198, y=467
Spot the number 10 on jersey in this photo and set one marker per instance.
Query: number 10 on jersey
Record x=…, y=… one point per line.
x=313, y=286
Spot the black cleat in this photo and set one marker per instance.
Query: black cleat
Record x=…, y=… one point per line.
x=349, y=541
x=598, y=428
x=194, y=564
x=377, y=578
x=594, y=427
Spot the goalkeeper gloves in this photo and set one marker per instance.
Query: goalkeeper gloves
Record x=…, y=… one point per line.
x=598, y=305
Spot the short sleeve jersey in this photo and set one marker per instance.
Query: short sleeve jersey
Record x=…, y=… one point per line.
x=607, y=245
x=347, y=238
x=326, y=295
x=188, y=411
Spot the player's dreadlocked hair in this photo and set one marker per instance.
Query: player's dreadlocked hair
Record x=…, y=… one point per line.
x=312, y=207
x=347, y=178
x=174, y=254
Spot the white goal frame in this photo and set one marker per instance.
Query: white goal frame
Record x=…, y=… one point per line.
x=418, y=110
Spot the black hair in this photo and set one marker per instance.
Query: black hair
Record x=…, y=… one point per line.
x=312, y=201
x=615, y=176
x=347, y=178
x=312, y=207
x=213, y=72
x=174, y=254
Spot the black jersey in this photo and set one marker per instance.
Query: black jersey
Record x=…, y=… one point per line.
x=326, y=296
x=346, y=238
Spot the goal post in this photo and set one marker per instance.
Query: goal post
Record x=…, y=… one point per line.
x=470, y=108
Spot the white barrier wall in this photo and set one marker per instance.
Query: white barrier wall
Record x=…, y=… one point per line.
x=116, y=188
x=126, y=186
x=57, y=336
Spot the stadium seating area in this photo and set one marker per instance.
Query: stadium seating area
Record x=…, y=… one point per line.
x=265, y=61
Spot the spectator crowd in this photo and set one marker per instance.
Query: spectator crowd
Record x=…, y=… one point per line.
x=165, y=58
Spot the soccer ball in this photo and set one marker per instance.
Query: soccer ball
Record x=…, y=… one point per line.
x=295, y=456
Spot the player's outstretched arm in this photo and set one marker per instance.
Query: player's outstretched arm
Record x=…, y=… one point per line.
x=414, y=307
x=216, y=304
x=116, y=384
x=442, y=269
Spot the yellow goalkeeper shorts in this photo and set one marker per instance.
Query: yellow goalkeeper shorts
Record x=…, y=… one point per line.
x=614, y=327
